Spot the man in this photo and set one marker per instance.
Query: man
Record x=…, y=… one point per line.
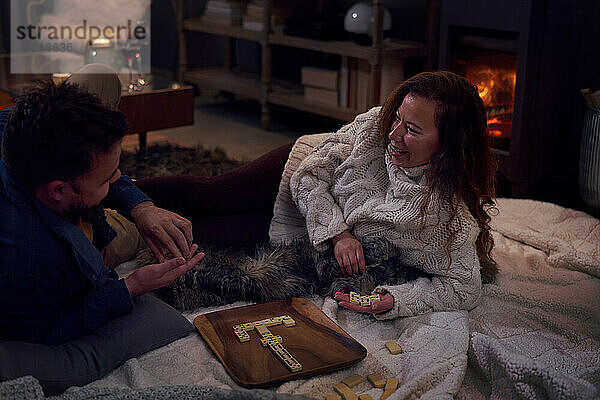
x=60, y=166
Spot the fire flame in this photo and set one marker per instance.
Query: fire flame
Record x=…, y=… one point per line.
x=483, y=92
x=496, y=87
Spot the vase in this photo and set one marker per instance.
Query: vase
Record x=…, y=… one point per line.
x=589, y=161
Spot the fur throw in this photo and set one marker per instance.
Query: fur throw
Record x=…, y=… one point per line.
x=277, y=271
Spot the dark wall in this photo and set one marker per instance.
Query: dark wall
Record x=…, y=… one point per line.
x=164, y=45
x=569, y=61
x=570, y=40
x=4, y=25
x=586, y=68
x=204, y=50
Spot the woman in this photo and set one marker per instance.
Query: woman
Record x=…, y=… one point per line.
x=398, y=198
x=418, y=173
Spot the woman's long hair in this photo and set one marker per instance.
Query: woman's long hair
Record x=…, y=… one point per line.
x=462, y=169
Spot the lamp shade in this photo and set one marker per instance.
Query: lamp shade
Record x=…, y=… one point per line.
x=359, y=19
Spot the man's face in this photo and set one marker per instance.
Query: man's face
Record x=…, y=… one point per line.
x=92, y=187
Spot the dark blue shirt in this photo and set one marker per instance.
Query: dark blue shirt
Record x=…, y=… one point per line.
x=54, y=285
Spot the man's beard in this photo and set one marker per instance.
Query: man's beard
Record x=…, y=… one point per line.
x=77, y=210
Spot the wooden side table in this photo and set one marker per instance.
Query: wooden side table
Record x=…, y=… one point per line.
x=160, y=105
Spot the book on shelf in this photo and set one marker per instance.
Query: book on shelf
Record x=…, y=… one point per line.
x=321, y=95
x=226, y=3
x=253, y=18
x=352, y=81
x=255, y=11
x=355, y=80
x=237, y=16
x=277, y=8
x=362, y=85
x=277, y=21
x=392, y=74
x=216, y=7
x=252, y=25
x=221, y=21
x=343, y=82
x=228, y=8
x=319, y=77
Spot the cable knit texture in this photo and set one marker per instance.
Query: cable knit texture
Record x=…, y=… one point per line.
x=349, y=182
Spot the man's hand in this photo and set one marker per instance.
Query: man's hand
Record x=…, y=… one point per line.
x=155, y=276
x=160, y=227
x=348, y=253
x=386, y=303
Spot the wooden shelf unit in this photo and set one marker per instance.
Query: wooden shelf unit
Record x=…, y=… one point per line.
x=298, y=102
x=246, y=85
x=261, y=87
x=347, y=48
x=196, y=24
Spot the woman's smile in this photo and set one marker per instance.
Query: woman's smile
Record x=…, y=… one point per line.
x=395, y=151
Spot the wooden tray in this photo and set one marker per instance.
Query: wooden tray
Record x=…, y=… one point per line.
x=315, y=341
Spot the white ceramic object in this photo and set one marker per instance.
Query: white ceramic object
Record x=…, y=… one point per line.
x=359, y=19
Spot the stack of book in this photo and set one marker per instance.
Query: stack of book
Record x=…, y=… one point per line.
x=355, y=76
x=320, y=85
x=392, y=74
x=253, y=19
x=224, y=12
x=354, y=83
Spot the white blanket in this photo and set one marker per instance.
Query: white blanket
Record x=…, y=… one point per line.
x=535, y=334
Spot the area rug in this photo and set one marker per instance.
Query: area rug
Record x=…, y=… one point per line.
x=168, y=159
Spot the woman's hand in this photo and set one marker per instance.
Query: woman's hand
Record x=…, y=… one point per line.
x=386, y=303
x=348, y=253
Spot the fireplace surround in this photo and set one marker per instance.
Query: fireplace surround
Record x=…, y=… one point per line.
x=518, y=48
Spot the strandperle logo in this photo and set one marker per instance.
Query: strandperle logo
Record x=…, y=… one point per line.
x=59, y=36
x=83, y=31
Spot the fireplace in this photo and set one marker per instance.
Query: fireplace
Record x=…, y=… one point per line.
x=489, y=61
x=511, y=50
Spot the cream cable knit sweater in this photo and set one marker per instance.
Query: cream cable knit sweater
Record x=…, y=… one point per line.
x=349, y=183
